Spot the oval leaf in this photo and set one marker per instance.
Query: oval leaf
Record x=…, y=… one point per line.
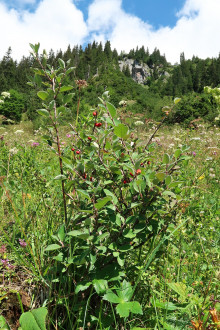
x=121, y=131
x=42, y=95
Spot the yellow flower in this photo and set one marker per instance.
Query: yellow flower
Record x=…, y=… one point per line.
x=202, y=177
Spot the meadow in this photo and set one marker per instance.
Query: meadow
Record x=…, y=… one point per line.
x=109, y=221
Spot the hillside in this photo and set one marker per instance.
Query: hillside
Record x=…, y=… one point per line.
x=147, y=81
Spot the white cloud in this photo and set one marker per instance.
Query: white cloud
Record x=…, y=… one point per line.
x=57, y=23
x=197, y=31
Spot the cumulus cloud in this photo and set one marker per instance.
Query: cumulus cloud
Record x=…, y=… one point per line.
x=57, y=23
x=196, y=31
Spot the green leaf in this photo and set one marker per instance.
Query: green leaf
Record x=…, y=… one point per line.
x=111, y=109
x=83, y=193
x=100, y=285
x=35, y=48
x=177, y=100
x=168, y=180
x=102, y=201
x=169, y=193
x=42, y=95
x=169, y=306
x=43, y=112
x=61, y=233
x=60, y=177
x=68, y=98
x=61, y=63
x=126, y=291
x=66, y=88
x=53, y=247
x=166, y=159
x=83, y=234
x=112, y=298
x=179, y=288
x=82, y=287
x=177, y=153
x=121, y=131
x=160, y=176
x=124, y=309
x=34, y=320
x=3, y=324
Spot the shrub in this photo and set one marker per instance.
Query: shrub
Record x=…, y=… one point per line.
x=13, y=106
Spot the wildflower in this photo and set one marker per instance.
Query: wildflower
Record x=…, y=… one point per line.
x=1, y=101
x=35, y=144
x=19, y=131
x=22, y=242
x=68, y=135
x=193, y=153
x=13, y=151
x=201, y=177
x=139, y=123
x=5, y=95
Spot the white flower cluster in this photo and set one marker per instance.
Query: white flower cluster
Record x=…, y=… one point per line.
x=5, y=95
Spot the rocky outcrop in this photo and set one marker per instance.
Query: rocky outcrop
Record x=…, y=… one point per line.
x=140, y=72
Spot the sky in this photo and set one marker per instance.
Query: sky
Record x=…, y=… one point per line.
x=172, y=26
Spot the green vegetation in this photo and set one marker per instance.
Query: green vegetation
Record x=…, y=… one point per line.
x=108, y=221
x=99, y=66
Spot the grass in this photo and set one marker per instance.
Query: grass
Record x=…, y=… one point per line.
x=179, y=286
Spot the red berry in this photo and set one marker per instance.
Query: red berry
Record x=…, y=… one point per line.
x=138, y=171
x=148, y=162
x=84, y=175
x=78, y=152
x=131, y=174
x=122, y=154
x=125, y=181
x=72, y=149
x=142, y=164
x=98, y=124
x=89, y=138
x=94, y=113
x=91, y=178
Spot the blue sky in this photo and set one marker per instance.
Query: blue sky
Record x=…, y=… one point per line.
x=172, y=26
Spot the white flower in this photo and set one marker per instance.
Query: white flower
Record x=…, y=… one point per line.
x=5, y=95
x=1, y=101
x=13, y=151
x=19, y=131
x=139, y=123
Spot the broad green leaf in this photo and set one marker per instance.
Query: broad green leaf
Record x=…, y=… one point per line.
x=177, y=100
x=112, y=298
x=111, y=109
x=53, y=247
x=128, y=233
x=82, y=287
x=68, y=98
x=179, y=288
x=61, y=63
x=166, y=159
x=66, y=88
x=42, y=95
x=100, y=285
x=102, y=201
x=61, y=233
x=126, y=291
x=121, y=131
x=124, y=309
x=168, y=180
x=169, y=193
x=43, y=112
x=177, y=153
x=83, y=193
x=83, y=234
x=160, y=176
x=3, y=324
x=166, y=305
x=70, y=70
x=34, y=320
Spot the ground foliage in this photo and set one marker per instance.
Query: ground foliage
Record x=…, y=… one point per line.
x=109, y=227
